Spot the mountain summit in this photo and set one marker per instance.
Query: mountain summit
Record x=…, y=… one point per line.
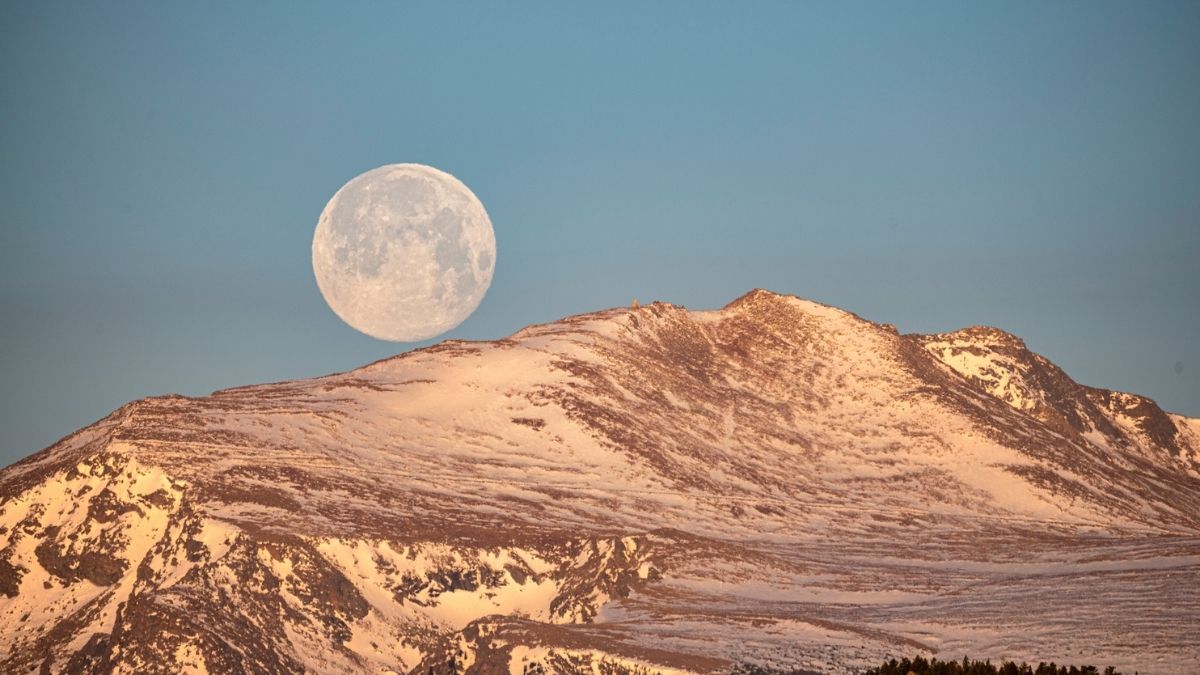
x=645, y=489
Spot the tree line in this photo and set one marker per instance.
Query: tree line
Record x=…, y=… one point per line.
x=919, y=665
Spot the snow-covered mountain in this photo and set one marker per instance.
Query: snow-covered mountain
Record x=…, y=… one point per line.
x=633, y=490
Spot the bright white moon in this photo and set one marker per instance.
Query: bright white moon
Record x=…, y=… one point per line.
x=404, y=252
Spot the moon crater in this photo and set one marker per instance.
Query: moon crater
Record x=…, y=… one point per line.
x=404, y=252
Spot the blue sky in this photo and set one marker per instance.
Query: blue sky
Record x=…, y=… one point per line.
x=1034, y=166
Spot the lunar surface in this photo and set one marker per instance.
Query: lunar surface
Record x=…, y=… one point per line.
x=404, y=252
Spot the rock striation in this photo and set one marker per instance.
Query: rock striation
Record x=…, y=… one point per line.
x=646, y=489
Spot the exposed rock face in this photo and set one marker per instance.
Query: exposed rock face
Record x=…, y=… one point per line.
x=999, y=364
x=636, y=490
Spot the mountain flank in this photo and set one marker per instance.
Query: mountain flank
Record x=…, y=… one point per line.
x=643, y=489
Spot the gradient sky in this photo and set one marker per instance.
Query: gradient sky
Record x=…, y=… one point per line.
x=1034, y=166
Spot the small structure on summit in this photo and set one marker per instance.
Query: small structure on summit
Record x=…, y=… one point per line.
x=634, y=304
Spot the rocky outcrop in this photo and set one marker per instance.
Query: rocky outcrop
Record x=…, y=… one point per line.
x=644, y=489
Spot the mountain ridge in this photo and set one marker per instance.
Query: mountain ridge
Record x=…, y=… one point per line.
x=649, y=487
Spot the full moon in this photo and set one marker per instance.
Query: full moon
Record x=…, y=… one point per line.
x=404, y=252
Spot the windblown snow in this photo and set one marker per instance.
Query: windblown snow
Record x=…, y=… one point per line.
x=640, y=490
